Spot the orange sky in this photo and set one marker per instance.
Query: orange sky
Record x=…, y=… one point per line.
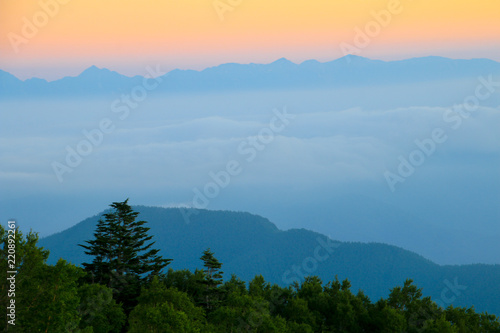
x=128, y=35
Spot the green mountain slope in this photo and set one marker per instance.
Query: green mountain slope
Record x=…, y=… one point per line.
x=248, y=245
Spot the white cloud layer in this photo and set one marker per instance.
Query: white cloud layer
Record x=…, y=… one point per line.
x=160, y=154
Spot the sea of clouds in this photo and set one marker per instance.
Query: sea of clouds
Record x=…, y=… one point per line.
x=323, y=167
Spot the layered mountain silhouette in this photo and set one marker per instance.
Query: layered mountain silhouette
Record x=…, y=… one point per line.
x=249, y=245
x=281, y=74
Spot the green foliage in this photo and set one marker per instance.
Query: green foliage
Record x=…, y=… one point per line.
x=307, y=307
x=249, y=245
x=99, y=310
x=184, y=280
x=163, y=309
x=46, y=296
x=212, y=279
x=437, y=325
x=241, y=312
x=122, y=254
x=55, y=298
x=258, y=287
x=420, y=312
x=49, y=299
x=467, y=320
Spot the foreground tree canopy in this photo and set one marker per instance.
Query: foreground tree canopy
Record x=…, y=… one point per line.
x=125, y=289
x=123, y=254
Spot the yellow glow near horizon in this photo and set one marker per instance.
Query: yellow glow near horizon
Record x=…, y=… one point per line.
x=190, y=33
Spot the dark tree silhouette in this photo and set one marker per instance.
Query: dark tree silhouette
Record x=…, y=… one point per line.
x=123, y=254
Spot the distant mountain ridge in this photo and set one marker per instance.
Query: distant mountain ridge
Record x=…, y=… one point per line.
x=280, y=74
x=248, y=244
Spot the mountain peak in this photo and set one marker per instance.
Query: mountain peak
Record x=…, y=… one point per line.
x=94, y=73
x=275, y=75
x=93, y=69
x=353, y=57
x=282, y=61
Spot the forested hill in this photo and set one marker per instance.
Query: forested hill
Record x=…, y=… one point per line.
x=249, y=245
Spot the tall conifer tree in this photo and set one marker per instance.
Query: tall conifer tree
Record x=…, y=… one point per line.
x=213, y=278
x=123, y=254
